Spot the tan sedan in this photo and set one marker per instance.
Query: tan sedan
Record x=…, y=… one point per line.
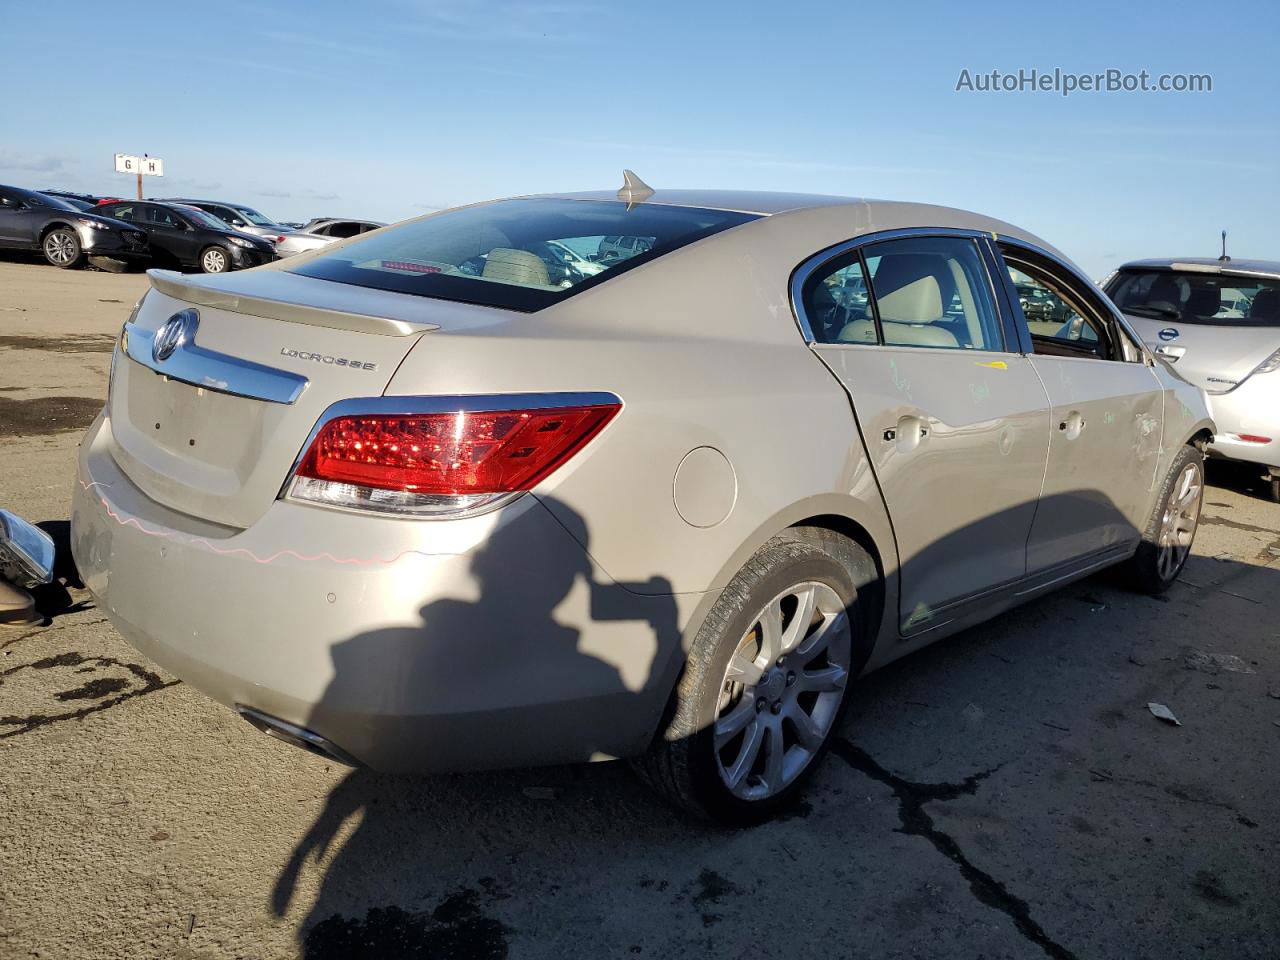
x=411, y=502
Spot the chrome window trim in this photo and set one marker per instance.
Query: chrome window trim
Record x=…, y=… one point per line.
x=220, y=372
x=801, y=274
x=454, y=403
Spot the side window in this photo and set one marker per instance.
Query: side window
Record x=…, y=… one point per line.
x=162, y=217
x=344, y=230
x=1061, y=320
x=121, y=211
x=915, y=292
x=837, y=302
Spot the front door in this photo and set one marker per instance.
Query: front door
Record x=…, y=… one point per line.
x=955, y=422
x=16, y=221
x=1107, y=413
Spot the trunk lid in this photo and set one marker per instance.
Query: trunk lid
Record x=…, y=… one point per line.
x=1215, y=357
x=214, y=428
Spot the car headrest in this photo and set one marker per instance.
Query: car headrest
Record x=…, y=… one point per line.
x=907, y=288
x=1266, y=305
x=1203, y=302
x=515, y=266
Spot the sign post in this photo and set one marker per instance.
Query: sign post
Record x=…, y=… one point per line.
x=142, y=166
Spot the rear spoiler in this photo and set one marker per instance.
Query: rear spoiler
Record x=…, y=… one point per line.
x=192, y=290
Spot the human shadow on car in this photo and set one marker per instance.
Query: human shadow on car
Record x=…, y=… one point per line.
x=564, y=714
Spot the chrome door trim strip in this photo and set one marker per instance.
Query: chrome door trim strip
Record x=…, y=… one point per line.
x=211, y=370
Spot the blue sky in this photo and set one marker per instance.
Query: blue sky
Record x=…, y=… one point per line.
x=386, y=109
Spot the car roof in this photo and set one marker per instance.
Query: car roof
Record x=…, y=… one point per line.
x=221, y=203
x=1270, y=268
x=847, y=217
x=760, y=202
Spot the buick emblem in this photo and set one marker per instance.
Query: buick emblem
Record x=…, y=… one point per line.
x=1168, y=333
x=177, y=330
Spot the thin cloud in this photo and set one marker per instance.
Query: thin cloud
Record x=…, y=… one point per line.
x=33, y=162
x=323, y=43
x=264, y=66
x=632, y=154
x=541, y=20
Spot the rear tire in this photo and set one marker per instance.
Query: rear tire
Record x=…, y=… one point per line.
x=767, y=678
x=61, y=248
x=215, y=260
x=1166, y=543
x=1271, y=488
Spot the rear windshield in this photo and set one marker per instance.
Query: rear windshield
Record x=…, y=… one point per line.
x=1192, y=297
x=253, y=216
x=517, y=254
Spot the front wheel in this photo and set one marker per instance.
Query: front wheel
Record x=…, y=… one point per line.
x=62, y=248
x=214, y=260
x=1166, y=543
x=767, y=678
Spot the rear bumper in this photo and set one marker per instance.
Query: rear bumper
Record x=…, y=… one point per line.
x=1252, y=409
x=291, y=246
x=409, y=645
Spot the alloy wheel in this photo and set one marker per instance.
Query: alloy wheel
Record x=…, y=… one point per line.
x=214, y=261
x=1178, y=525
x=59, y=248
x=782, y=690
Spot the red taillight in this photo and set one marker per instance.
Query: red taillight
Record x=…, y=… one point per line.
x=1253, y=438
x=441, y=463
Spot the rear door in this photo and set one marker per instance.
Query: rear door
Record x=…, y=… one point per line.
x=172, y=232
x=954, y=419
x=131, y=212
x=1107, y=413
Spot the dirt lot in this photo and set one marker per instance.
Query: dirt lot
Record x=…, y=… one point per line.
x=1005, y=794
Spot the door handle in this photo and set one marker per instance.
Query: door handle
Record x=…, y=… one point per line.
x=909, y=432
x=1072, y=425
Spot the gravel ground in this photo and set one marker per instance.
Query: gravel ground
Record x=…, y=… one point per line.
x=1004, y=794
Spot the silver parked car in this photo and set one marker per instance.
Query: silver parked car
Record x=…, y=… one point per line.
x=241, y=217
x=1218, y=321
x=421, y=517
x=318, y=233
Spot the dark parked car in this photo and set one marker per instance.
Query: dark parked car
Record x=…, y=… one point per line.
x=92, y=199
x=245, y=219
x=64, y=234
x=76, y=202
x=184, y=236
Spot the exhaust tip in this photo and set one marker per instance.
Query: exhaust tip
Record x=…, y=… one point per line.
x=296, y=736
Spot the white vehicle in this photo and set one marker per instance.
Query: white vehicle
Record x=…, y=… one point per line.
x=321, y=232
